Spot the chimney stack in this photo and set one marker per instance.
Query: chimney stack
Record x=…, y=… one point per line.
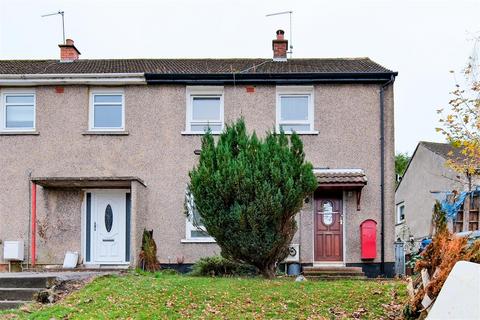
x=68, y=51
x=280, y=47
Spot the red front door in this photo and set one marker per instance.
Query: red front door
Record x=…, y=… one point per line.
x=328, y=232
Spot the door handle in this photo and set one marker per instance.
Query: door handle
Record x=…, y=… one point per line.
x=94, y=226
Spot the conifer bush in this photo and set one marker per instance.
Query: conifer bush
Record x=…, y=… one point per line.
x=148, y=253
x=248, y=190
x=219, y=266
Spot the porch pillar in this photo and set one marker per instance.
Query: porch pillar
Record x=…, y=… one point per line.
x=138, y=208
x=33, y=245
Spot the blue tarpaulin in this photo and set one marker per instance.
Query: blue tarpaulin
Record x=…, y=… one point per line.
x=451, y=208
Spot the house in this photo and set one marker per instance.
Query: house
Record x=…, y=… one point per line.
x=427, y=178
x=97, y=150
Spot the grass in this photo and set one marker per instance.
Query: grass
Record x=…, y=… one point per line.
x=169, y=296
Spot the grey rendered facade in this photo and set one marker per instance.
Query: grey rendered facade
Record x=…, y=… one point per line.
x=150, y=158
x=426, y=179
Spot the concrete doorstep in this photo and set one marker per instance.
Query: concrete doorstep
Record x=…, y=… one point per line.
x=18, y=288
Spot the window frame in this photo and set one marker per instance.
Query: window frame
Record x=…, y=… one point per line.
x=3, y=113
x=205, y=92
x=296, y=91
x=91, y=111
x=399, y=206
x=189, y=227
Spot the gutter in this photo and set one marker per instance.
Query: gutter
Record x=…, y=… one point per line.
x=269, y=78
x=382, y=170
x=195, y=78
x=72, y=78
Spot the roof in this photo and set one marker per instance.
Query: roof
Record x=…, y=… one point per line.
x=442, y=149
x=340, y=177
x=438, y=148
x=193, y=66
x=86, y=182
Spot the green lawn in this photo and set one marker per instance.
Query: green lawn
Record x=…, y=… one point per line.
x=167, y=296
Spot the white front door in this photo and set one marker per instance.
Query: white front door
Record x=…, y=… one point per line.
x=108, y=226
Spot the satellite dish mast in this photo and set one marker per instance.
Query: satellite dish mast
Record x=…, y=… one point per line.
x=62, y=13
x=290, y=31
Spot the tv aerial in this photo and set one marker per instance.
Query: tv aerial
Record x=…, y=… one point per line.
x=62, y=13
x=290, y=31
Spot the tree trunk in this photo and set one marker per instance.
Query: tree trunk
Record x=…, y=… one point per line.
x=268, y=272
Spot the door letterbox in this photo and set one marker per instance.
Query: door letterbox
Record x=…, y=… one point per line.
x=368, y=239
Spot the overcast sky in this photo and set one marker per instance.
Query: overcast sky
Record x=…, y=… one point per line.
x=421, y=39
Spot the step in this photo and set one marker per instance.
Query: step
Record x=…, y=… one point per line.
x=15, y=294
x=27, y=282
x=335, y=273
x=336, y=277
x=5, y=305
x=327, y=268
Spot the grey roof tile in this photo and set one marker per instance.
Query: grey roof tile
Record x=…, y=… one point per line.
x=192, y=66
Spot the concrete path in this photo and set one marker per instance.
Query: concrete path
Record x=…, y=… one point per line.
x=60, y=275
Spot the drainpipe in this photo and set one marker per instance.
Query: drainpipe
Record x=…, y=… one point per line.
x=33, y=246
x=382, y=169
x=29, y=216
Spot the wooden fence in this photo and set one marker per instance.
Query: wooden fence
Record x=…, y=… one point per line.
x=468, y=216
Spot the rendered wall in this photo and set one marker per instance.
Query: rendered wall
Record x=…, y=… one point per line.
x=346, y=116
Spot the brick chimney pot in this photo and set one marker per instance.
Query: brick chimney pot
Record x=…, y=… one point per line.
x=68, y=51
x=280, y=47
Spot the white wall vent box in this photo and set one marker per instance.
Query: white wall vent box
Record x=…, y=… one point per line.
x=13, y=250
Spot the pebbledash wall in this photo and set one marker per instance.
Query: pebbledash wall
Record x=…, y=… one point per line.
x=347, y=118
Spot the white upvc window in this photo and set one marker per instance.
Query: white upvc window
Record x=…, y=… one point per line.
x=18, y=111
x=294, y=109
x=107, y=111
x=195, y=230
x=401, y=212
x=204, y=109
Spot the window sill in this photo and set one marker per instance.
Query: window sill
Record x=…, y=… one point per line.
x=198, y=241
x=105, y=133
x=19, y=133
x=315, y=132
x=194, y=133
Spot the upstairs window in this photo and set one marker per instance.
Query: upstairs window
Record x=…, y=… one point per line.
x=295, y=109
x=204, y=109
x=107, y=111
x=18, y=112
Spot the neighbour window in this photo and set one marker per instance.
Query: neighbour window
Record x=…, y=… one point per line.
x=107, y=111
x=204, y=109
x=18, y=112
x=195, y=228
x=400, y=212
x=295, y=109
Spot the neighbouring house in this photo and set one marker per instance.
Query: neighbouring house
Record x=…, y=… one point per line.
x=427, y=178
x=98, y=150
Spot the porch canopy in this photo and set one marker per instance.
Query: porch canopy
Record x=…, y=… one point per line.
x=342, y=179
x=86, y=182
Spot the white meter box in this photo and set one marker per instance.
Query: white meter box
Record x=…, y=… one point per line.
x=13, y=250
